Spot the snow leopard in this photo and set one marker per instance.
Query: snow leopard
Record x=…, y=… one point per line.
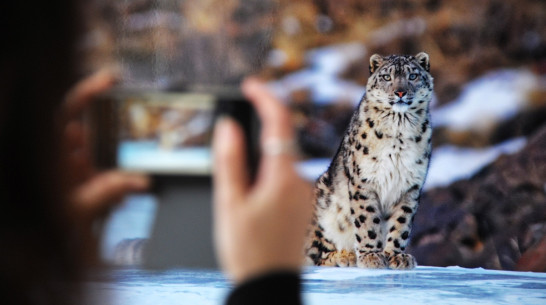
x=366, y=200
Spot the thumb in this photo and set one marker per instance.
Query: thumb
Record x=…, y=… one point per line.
x=230, y=172
x=79, y=97
x=103, y=190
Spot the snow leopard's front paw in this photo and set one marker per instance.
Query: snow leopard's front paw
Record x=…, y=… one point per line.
x=402, y=261
x=372, y=260
x=341, y=258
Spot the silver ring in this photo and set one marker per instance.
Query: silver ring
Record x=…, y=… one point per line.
x=276, y=146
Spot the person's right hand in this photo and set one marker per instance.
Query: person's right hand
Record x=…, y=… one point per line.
x=259, y=226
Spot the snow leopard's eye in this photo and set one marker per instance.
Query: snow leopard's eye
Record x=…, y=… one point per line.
x=386, y=77
x=412, y=76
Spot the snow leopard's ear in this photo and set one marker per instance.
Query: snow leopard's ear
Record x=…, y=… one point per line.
x=375, y=61
x=423, y=60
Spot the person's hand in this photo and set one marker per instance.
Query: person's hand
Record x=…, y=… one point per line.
x=260, y=226
x=91, y=192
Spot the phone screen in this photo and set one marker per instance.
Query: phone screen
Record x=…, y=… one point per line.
x=170, y=134
x=165, y=133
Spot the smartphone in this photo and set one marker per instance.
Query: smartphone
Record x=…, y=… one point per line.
x=167, y=135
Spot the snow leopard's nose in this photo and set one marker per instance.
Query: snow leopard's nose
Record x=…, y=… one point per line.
x=400, y=93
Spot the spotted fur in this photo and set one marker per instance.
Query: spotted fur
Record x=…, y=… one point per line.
x=366, y=200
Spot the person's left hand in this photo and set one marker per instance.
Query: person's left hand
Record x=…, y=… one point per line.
x=91, y=192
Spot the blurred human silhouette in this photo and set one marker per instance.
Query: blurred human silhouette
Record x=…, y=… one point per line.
x=51, y=193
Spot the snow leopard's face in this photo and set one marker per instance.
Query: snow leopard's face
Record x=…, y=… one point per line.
x=400, y=83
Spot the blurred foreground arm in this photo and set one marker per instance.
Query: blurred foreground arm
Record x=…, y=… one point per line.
x=260, y=226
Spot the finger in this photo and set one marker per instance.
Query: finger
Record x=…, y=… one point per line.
x=74, y=135
x=77, y=136
x=78, y=149
x=275, y=117
x=83, y=93
x=107, y=188
x=277, y=138
x=80, y=167
x=230, y=171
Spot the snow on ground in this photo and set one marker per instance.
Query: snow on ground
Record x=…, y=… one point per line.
x=312, y=169
x=131, y=219
x=450, y=163
x=322, y=77
x=494, y=97
x=322, y=285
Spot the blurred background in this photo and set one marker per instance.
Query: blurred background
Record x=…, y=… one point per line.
x=484, y=203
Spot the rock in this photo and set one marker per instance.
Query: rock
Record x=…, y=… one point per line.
x=534, y=259
x=320, y=133
x=172, y=44
x=489, y=220
x=523, y=124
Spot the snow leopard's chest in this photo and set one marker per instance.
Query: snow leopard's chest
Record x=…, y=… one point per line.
x=392, y=158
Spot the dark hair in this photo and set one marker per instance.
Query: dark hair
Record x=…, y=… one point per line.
x=37, y=67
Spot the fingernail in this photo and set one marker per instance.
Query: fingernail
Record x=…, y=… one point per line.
x=222, y=126
x=223, y=133
x=251, y=84
x=110, y=74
